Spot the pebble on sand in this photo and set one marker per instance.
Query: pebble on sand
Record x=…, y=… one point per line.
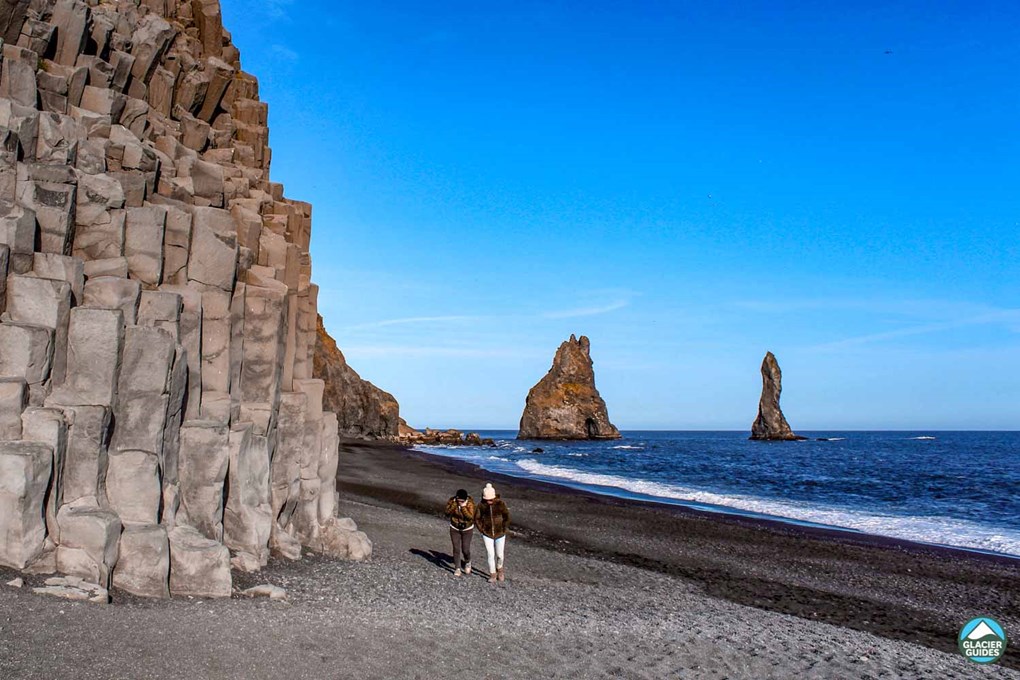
x=266, y=590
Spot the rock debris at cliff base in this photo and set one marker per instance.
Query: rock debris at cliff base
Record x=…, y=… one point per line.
x=159, y=419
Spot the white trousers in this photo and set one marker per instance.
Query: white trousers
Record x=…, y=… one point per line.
x=494, y=551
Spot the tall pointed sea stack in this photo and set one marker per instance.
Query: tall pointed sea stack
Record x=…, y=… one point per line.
x=565, y=404
x=771, y=425
x=159, y=418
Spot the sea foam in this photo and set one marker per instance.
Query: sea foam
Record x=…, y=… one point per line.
x=926, y=529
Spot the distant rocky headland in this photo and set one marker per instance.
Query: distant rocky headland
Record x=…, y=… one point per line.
x=410, y=436
x=363, y=410
x=565, y=403
x=771, y=425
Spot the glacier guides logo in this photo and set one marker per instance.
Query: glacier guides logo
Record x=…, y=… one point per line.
x=982, y=640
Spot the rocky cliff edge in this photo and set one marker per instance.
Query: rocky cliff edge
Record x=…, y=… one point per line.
x=363, y=410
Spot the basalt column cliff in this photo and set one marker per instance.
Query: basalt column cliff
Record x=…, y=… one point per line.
x=565, y=403
x=158, y=416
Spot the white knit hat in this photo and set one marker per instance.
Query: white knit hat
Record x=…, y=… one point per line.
x=488, y=493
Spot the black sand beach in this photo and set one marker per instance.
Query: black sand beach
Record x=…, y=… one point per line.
x=895, y=589
x=596, y=587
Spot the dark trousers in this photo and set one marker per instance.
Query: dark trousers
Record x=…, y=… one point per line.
x=461, y=547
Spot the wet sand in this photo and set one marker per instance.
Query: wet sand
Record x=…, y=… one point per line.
x=596, y=587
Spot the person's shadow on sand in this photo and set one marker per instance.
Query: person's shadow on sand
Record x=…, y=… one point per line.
x=440, y=559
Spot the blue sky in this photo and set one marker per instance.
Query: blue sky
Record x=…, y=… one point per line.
x=688, y=184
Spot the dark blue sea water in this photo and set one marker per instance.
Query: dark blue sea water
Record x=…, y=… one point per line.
x=951, y=488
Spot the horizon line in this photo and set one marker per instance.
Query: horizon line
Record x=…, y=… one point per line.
x=909, y=429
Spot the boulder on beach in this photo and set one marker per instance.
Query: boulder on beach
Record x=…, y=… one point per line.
x=565, y=403
x=771, y=425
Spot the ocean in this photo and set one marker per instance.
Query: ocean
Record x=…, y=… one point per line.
x=949, y=488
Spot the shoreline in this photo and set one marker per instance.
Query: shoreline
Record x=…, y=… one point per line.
x=595, y=587
x=897, y=589
x=722, y=511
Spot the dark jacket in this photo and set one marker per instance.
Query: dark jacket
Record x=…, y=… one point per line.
x=492, y=520
x=460, y=517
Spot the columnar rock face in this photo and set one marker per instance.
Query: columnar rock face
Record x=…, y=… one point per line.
x=157, y=316
x=771, y=423
x=565, y=404
x=363, y=410
x=25, y=470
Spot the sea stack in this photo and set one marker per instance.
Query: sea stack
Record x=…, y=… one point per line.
x=565, y=404
x=771, y=425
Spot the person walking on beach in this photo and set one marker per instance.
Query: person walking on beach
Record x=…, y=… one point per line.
x=493, y=519
x=460, y=510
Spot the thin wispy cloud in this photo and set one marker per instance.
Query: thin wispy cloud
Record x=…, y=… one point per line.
x=284, y=52
x=599, y=302
x=586, y=311
x=925, y=308
x=276, y=9
x=427, y=351
x=494, y=319
x=1008, y=318
x=786, y=306
x=413, y=320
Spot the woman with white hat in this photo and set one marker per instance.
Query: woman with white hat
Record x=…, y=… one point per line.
x=493, y=519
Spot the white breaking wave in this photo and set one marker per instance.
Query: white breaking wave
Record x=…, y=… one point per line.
x=629, y=448
x=922, y=438
x=577, y=455
x=926, y=529
x=505, y=460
